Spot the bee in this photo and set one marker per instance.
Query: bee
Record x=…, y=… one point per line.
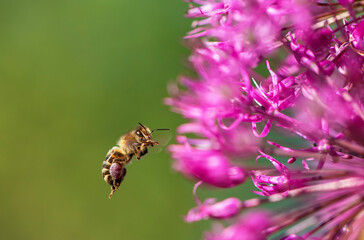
x=133, y=143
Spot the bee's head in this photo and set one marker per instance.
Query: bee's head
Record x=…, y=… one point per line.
x=144, y=135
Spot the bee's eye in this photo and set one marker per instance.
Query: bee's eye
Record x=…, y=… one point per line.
x=139, y=134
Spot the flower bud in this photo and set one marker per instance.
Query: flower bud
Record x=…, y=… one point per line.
x=210, y=166
x=357, y=37
x=236, y=175
x=209, y=209
x=224, y=209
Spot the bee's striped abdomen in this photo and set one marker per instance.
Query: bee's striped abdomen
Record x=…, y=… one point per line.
x=106, y=169
x=113, y=170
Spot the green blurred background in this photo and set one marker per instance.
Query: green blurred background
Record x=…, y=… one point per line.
x=74, y=76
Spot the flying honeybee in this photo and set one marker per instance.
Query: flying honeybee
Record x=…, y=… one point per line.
x=135, y=142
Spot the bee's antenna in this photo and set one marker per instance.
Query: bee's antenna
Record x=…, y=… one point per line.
x=158, y=129
x=142, y=126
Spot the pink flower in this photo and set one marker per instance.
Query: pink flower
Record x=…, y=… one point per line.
x=267, y=69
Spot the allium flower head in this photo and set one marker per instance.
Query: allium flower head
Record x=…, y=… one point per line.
x=278, y=100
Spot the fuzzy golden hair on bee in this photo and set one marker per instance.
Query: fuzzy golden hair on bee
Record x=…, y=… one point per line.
x=133, y=143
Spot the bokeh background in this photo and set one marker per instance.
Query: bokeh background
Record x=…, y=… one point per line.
x=75, y=75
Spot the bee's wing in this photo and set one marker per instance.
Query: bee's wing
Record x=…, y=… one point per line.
x=163, y=138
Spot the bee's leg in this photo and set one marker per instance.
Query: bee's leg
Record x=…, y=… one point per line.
x=141, y=150
x=136, y=150
x=113, y=153
x=117, y=182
